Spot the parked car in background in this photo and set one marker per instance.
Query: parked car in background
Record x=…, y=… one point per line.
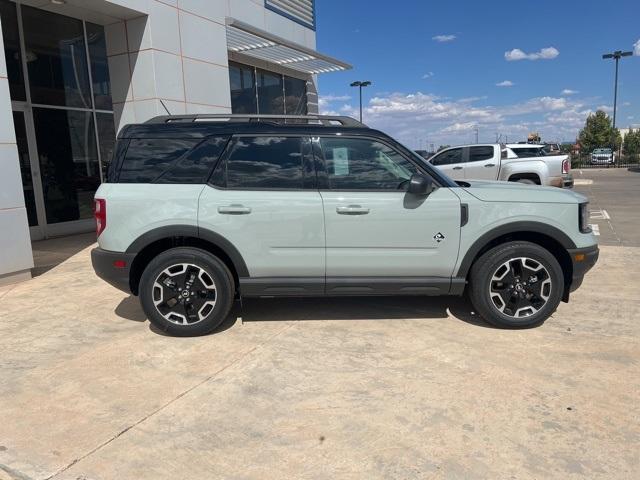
x=602, y=156
x=522, y=163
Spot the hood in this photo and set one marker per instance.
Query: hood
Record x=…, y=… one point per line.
x=516, y=192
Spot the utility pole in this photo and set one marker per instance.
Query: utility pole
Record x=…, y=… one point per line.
x=476, y=129
x=617, y=55
x=360, y=84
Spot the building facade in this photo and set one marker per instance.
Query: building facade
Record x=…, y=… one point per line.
x=75, y=71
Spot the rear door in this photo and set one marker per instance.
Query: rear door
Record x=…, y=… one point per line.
x=263, y=199
x=451, y=162
x=483, y=162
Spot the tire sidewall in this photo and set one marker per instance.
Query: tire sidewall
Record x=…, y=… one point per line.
x=213, y=266
x=485, y=267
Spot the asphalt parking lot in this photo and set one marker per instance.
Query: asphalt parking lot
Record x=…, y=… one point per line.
x=342, y=388
x=614, y=197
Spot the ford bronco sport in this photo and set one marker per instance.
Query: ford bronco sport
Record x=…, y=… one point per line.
x=199, y=210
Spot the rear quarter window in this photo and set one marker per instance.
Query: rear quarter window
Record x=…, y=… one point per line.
x=170, y=160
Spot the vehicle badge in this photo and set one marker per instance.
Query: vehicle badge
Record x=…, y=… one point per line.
x=438, y=237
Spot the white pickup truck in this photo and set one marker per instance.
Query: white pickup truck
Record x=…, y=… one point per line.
x=516, y=162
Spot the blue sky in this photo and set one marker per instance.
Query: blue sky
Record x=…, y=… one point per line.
x=441, y=69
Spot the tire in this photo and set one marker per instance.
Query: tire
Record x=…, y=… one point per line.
x=208, y=284
x=526, y=181
x=510, y=292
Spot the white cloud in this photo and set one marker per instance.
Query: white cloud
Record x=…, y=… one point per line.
x=630, y=117
x=605, y=108
x=568, y=91
x=548, y=53
x=636, y=48
x=444, y=38
x=325, y=100
x=626, y=104
x=427, y=75
x=412, y=116
x=505, y=83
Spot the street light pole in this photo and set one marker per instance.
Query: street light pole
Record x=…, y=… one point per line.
x=617, y=55
x=360, y=84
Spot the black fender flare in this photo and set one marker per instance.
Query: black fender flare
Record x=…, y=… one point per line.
x=214, y=238
x=515, y=227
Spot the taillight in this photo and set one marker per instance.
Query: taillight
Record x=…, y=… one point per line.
x=566, y=165
x=100, y=214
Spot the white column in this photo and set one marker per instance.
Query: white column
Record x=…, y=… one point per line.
x=16, y=259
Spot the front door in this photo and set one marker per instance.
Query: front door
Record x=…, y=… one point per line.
x=451, y=162
x=374, y=228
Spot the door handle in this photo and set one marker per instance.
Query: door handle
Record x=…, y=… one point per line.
x=234, y=210
x=352, y=210
x=489, y=165
x=457, y=168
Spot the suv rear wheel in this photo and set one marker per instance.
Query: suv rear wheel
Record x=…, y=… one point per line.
x=516, y=284
x=186, y=291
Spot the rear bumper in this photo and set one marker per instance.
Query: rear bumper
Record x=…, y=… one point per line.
x=564, y=181
x=103, y=262
x=583, y=260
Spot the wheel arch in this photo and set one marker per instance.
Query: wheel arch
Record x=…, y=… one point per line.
x=547, y=236
x=158, y=240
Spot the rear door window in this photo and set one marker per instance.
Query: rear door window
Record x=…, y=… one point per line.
x=477, y=154
x=265, y=162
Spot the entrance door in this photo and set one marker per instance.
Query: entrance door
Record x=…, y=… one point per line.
x=30, y=175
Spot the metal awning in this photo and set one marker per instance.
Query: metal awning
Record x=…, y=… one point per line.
x=249, y=40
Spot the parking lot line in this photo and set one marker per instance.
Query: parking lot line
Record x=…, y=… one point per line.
x=595, y=228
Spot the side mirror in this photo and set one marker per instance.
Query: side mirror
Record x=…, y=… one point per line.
x=420, y=185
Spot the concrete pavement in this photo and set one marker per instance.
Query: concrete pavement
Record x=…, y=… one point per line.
x=348, y=388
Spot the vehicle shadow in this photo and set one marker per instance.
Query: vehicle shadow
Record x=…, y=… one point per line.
x=330, y=308
x=357, y=308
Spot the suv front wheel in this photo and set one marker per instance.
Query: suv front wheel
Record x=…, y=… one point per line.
x=186, y=291
x=516, y=284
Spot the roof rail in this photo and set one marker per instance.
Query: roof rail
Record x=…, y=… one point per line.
x=326, y=120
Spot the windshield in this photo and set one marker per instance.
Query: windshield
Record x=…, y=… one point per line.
x=602, y=150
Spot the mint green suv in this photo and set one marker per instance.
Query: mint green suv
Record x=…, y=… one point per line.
x=200, y=210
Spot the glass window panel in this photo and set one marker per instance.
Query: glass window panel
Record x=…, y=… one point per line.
x=9, y=18
x=147, y=159
x=477, y=154
x=243, y=89
x=360, y=164
x=68, y=162
x=56, y=58
x=195, y=166
x=265, y=162
x=99, y=66
x=270, y=93
x=107, y=139
x=448, y=157
x=295, y=100
x=25, y=167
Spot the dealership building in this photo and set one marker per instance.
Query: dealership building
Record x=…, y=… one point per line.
x=75, y=71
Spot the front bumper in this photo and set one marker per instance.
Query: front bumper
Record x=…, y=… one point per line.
x=583, y=260
x=104, y=264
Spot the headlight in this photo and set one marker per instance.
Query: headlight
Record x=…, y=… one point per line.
x=583, y=218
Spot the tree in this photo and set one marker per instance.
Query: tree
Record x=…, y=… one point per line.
x=598, y=133
x=442, y=147
x=632, y=142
